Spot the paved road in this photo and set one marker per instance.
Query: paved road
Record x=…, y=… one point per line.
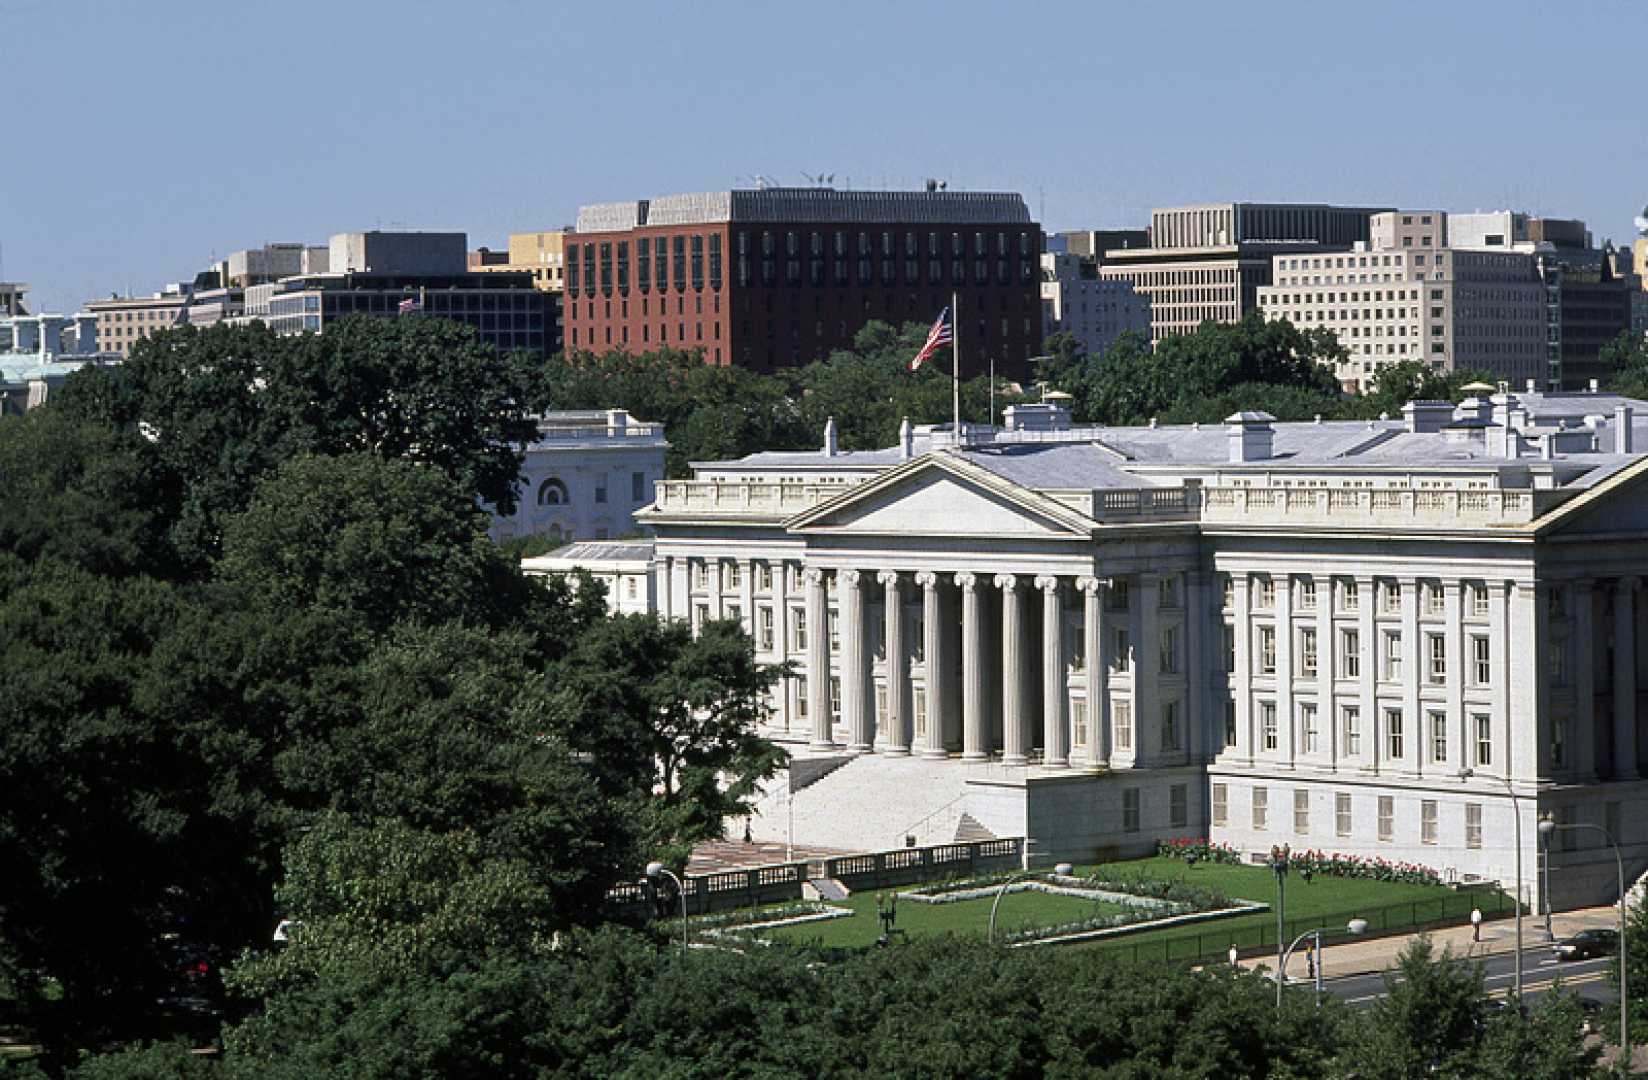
x=1588, y=978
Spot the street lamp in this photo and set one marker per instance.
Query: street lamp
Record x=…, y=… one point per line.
x=1546, y=828
x=1357, y=927
x=1279, y=863
x=1516, y=815
x=656, y=870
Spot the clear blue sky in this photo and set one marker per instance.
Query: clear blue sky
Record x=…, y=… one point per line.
x=143, y=138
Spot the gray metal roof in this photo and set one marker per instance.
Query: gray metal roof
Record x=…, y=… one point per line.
x=590, y=552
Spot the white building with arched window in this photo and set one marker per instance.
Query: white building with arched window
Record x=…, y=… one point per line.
x=585, y=476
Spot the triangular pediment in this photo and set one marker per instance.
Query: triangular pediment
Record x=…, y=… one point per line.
x=1617, y=505
x=940, y=496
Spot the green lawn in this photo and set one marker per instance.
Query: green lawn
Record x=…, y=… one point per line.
x=1019, y=910
x=1325, y=902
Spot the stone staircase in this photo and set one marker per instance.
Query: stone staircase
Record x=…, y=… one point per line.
x=968, y=830
x=870, y=802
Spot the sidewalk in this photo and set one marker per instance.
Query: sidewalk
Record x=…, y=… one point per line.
x=1378, y=954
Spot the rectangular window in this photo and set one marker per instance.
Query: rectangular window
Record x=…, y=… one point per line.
x=1436, y=648
x=1387, y=817
x=1229, y=647
x=1350, y=654
x=1267, y=650
x=1427, y=821
x=1168, y=596
x=1341, y=814
x=801, y=696
x=701, y=614
x=1227, y=585
x=1266, y=596
x=1078, y=722
x=1301, y=812
x=1559, y=739
x=1390, y=598
x=835, y=699
x=600, y=493
x=764, y=578
x=1230, y=723
x=701, y=574
x=1170, y=725
x=919, y=697
x=1123, y=659
x=1481, y=662
x=1130, y=809
x=881, y=707
x=1393, y=656
x=1121, y=719
x=1439, y=737
x=1484, y=738
x=637, y=487
x=1479, y=601
x=1393, y=734
x=1307, y=594
x=1170, y=650
x=1221, y=804
x=798, y=630
x=1435, y=599
x=764, y=623
x=1117, y=593
x=832, y=620
x=1178, y=806
x=1267, y=723
x=1473, y=825
x=1307, y=727
x=1350, y=598
x=1261, y=808
x=734, y=575
x=1307, y=653
x=734, y=612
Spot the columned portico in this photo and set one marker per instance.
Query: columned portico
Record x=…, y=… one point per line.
x=855, y=668
x=975, y=730
x=1098, y=674
x=932, y=737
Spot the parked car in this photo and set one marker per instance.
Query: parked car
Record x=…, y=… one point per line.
x=1586, y=944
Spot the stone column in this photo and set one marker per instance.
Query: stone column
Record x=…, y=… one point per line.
x=1582, y=754
x=662, y=569
x=898, y=682
x=1327, y=719
x=1147, y=666
x=855, y=668
x=681, y=589
x=746, y=595
x=1453, y=607
x=1247, y=741
x=1015, y=731
x=932, y=744
x=1625, y=679
x=1055, y=730
x=1098, y=674
x=1499, y=655
x=1413, y=717
x=818, y=661
x=1197, y=669
x=1287, y=718
x=1372, y=655
x=975, y=737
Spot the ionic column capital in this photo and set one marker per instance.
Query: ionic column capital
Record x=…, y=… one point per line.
x=1006, y=582
x=966, y=581
x=1090, y=585
x=927, y=579
x=848, y=578
x=814, y=575
x=889, y=578
x=1047, y=583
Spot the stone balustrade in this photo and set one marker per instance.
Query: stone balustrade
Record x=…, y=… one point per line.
x=1371, y=506
x=733, y=497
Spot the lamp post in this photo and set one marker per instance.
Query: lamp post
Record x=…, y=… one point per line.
x=1546, y=828
x=656, y=870
x=1357, y=927
x=1516, y=816
x=1279, y=863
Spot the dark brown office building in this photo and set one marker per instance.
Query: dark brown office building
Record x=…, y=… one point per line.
x=780, y=276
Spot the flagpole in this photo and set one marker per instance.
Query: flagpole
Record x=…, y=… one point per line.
x=955, y=359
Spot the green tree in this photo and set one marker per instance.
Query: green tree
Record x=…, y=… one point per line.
x=1394, y=385
x=1428, y=1021
x=1626, y=357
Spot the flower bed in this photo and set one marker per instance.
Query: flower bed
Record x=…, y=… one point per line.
x=764, y=918
x=1307, y=862
x=1200, y=850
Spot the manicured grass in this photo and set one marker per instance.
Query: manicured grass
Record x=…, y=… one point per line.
x=1019, y=910
x=1328, y=902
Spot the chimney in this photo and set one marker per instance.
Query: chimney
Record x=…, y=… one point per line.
x=1423, y=417
x=1622, y=429
x=830, y=448
x=1595, y=386
x=906, y=440
x=1531, y=385
x=1250, y=435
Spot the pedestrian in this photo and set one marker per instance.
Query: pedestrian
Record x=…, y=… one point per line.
x=1476, y=924
x=749, y=838
x=1232, y=954
x=1310, y=959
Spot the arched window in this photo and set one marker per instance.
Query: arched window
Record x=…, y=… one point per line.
x=552, y=493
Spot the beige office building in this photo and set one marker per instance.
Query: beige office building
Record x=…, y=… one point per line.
x=541, y=253
x=1408, y=297
x=123, y=321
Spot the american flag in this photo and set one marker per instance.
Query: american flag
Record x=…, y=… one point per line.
x=409, y=305
x=937, y=338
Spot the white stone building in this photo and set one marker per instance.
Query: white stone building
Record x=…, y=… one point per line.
x=585, y=476
x=1379, y=638
x=624, y=567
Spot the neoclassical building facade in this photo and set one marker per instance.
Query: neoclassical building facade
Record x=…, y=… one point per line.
x=1384, y=638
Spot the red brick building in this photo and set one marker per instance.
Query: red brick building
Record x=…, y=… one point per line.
x=769, y=278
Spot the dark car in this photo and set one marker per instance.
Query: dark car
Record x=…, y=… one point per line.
x=1586, y=944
